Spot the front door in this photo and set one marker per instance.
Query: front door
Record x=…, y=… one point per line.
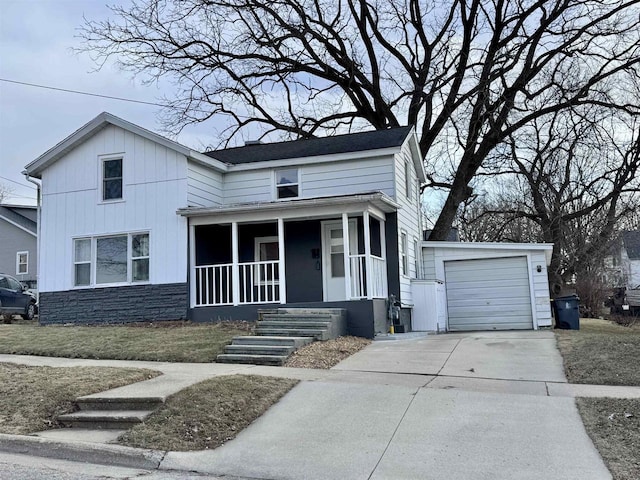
x=333, y=258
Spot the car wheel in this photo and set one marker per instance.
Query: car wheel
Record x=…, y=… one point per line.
x=29, y=312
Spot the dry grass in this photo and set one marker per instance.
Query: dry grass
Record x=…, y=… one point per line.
x=601, y=352
x=33, y=397
x=208, y=414
x=326, y=354
x=615, y=434
x=162, y=341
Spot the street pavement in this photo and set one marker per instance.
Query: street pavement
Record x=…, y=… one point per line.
x=491, y=405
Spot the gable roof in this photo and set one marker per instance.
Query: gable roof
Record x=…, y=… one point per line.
x=631, y=241
x=100, y=122
x=19, y=217
x=311, y=147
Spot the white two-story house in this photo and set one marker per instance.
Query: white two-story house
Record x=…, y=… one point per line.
x=137, y=227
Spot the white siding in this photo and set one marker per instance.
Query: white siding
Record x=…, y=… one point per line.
x=248, y=186
x=154, y=187
x=434, y=258
x=204, y=186
x=348, y=177
x=409, y=219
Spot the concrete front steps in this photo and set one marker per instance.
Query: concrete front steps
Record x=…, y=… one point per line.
x=279, y=332
x=110, y=413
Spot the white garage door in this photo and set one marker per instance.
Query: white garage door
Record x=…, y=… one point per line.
x=488, y=294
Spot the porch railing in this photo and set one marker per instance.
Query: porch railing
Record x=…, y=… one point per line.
x=214, y=285
x=359, y=276
x=258, y=283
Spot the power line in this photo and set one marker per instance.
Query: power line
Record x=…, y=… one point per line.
x=18, y=183
x=78, y=92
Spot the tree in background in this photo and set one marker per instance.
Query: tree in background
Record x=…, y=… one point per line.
x=469, y=74
x=571, y=179
x=5, y=191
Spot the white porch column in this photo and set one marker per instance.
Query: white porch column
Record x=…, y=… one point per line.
x=347, y=260
x=192, y=266
x=235, y=268
x=281, y=267
x=383, y=254
x=367, y=253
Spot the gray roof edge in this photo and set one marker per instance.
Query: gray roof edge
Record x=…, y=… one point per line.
x=18, y=220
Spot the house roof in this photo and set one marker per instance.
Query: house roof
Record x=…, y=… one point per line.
x=19, y=216
x=100, y=122
x=631, y=240
x=311, y=147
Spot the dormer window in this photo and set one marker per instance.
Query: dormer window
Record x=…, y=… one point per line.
x=287, y=183
x=112, y=179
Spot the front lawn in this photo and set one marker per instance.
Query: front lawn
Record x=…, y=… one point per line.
x=601, y=353
x=33, y=397
x=208, y=414
x=161, y=341
x=605, y=353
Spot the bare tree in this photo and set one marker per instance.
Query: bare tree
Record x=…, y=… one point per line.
x=5, y=191
x=571, y=180
x=467, y=73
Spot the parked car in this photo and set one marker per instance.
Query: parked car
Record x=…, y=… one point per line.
x=15, y=299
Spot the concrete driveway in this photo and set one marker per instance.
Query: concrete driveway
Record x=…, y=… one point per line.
x=463, y=406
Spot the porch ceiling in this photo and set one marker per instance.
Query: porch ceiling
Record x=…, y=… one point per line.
x=376, y=203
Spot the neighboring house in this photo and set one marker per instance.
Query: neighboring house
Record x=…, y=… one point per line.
x=18, y=243
x=138, y=227
x=623, y=263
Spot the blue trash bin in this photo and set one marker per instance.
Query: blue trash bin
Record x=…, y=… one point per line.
x=567, y=312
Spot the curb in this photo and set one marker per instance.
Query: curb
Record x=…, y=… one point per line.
x=103, y=454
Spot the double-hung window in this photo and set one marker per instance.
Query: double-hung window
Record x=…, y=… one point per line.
x=403, y=254
x=111, y=260
x=287, y=183
x=22, y=263
x=112, y=179
x=407, y=181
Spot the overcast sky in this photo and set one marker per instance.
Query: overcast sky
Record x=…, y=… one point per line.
x=36, y=38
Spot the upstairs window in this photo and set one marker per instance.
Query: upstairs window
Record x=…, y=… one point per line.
x=407, y=180
x=404, y=260
x=22, y=263
x=287, y=183
x=112, y=179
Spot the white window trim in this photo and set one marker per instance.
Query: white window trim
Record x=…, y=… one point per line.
x=404, y=254
x=418, y=254
x=256, y=256
x=407, y=181
x=94, y=260
x=26, y=264
x=101, y=160
x=274, y=178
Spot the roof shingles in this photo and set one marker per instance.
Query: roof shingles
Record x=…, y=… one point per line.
x=354, y=142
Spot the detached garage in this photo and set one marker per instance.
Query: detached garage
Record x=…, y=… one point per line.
x=482, y=286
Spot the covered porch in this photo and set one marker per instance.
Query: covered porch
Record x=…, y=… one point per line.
x=289, y=252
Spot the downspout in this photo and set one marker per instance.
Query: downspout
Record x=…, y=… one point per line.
x=38, y=212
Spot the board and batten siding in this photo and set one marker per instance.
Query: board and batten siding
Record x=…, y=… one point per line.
x=204, y=186
x=434, y=257
x=409, y=220
x=154, y=187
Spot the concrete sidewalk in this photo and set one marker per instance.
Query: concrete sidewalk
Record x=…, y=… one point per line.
x=481, y=405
